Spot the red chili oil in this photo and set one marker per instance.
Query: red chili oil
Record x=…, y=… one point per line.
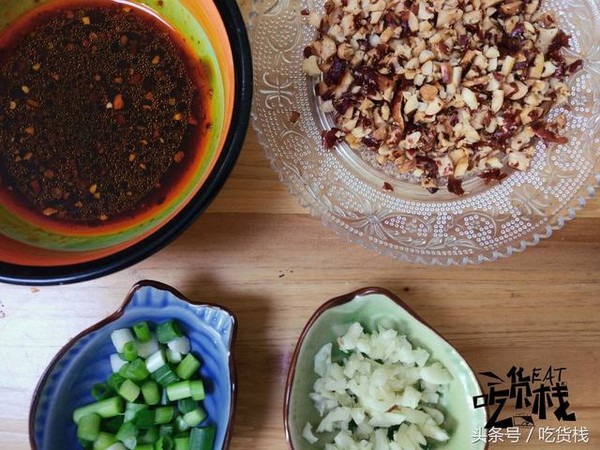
x=102, y=109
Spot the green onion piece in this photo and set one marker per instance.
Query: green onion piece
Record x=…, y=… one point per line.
x=142, y=331
x=109, y=407
x=88, y=427
x=101, y=391
x=202, y=438
x=164, y=443
x=179, y=390
x=113, y=424
x=165, y=376
x=131, y=409
x=120, y=337
x=115, y=381
x=144, y=419
x=127, y=431
x=146, y=447
x=156, y=361
x=166, y=430
x=185, y=405
x=164, y=414
x=104, y=441
x=181, y=425
x=168, y=331
x=117, y=446
x=195, y=417
x=130, y=351
x=150, y=436
x=173, y=357
x=129, y=390
x=197, y=390
x=150, y=392
x=182, y=443
x=187, y=367
x=135, y=370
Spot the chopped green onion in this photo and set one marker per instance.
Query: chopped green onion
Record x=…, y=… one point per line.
x=177, y=391
x=100, y=391
x=202, y=438
x=180, y=345
x=164, y=443
x=116, y=362
x=88, y=427
x=168, y=331
x=144, y=419
x=187, y=367
x=127, y=431
x=185, y=405
x=149, y=437
x=182, y=443
x=109, y=407
x=164, y=414
x=197, y=390
x=181, y=425
x=135, y=370
x=195, y=417
x=166, y=430
x=173, y=357
x=120, y=337
x=156, y=361
x=117, y=446
x=165, y=376
x=145, y=349
x=113, y=424
x=130, y=351
x=104, y=441
x=150, y=392
x=115, y=381
x=157, y=374
x=142, y=331
x=132, y=409
x=129, y=390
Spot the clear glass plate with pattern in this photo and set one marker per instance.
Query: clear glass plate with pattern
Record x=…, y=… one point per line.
x=341, y=188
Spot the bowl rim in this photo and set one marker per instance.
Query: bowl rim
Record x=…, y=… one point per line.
x=39, y=275
x=338, y=301
x=36, y=397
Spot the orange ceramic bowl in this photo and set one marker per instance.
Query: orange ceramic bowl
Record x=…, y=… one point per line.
x=35, y=250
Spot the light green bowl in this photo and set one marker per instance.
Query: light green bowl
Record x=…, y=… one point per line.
x=373, y=307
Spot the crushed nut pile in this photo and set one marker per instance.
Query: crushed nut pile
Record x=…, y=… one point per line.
x=441, y=88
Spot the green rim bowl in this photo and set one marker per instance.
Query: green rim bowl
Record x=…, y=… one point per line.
x=373, y=307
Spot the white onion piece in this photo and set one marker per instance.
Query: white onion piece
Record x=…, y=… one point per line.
x=382, y=382
x=121, y=337
x=116, y=362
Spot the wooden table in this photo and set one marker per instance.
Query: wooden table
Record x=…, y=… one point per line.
x=257, y=252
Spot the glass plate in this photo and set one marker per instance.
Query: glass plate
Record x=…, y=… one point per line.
x=346, y=192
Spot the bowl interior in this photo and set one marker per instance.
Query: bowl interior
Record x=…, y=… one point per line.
x=28, y=239
x=83, y=362
x=374, y=307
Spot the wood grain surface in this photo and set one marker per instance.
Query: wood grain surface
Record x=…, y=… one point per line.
x=257, y=252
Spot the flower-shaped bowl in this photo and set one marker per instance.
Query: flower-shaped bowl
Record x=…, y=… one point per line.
x=84, y=361
x=374, y=307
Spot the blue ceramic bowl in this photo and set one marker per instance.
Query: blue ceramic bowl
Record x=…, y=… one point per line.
x=84, y=361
